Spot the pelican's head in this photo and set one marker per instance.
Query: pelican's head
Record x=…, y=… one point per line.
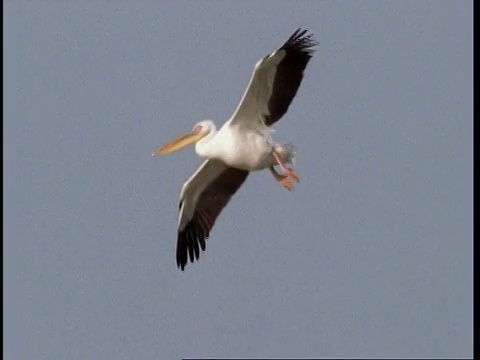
x=199, y=131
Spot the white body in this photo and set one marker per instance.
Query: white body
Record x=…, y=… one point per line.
x=242, y=148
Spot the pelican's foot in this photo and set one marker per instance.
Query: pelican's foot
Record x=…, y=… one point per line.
x=288, y=171
x=292, y=174
x=286, y=183
x=282, y=179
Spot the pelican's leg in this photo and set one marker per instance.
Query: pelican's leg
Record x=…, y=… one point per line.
x=287, y=170
x=283, y=179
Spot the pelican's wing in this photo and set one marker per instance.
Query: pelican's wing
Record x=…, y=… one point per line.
x=202, y=199
x=275, y=82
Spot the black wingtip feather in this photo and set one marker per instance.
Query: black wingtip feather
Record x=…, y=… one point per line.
x=191, y=240
x=299, y=42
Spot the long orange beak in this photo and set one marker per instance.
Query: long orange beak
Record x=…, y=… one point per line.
x=177, y=144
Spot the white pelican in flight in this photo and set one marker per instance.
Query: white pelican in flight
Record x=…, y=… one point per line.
x=243, y=144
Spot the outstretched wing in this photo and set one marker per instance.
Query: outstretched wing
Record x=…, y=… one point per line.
x=275, y=82
x=202, y=199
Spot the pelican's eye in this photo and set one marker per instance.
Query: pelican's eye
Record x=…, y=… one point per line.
x=197, y=129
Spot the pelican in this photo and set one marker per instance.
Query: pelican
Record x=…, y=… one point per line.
x=242, y=145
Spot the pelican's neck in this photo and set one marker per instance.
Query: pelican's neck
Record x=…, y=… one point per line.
x=205, y=146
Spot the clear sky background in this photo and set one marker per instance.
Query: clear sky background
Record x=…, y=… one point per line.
x=370, y=256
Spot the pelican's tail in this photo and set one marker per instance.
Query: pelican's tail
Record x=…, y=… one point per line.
x=287, y=152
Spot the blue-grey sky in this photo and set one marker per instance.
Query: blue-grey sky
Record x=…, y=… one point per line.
x=370, y=256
